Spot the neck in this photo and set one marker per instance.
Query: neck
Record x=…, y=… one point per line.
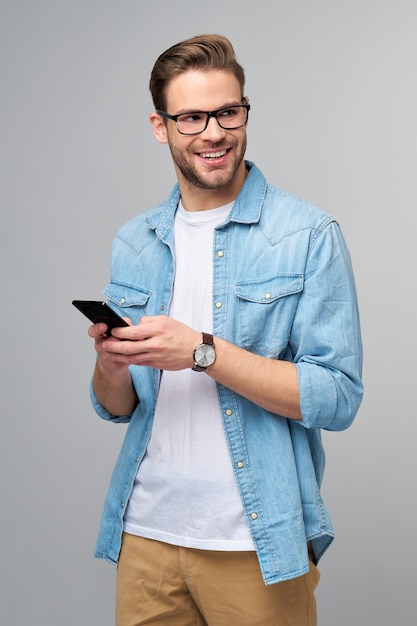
x=198, y=199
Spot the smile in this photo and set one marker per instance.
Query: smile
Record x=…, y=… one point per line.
x=213, y=155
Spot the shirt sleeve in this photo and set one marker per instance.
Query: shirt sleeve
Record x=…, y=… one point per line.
x=325, y=339
x=103, y=413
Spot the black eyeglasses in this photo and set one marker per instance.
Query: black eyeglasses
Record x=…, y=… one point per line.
x=196, y=122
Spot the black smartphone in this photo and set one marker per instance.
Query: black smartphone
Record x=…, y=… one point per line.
x=98, y=311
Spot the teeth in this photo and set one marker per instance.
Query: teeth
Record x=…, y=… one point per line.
x=213, y=155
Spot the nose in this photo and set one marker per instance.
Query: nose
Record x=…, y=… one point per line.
x=213, y=132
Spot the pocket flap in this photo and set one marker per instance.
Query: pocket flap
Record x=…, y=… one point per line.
x=270, y=289
x=125, y=295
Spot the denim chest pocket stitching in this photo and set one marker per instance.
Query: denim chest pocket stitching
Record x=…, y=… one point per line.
x=265, y=291
x=265, y=310
x=124, y=295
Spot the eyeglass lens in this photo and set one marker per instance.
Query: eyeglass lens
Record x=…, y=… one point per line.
x=194, y=123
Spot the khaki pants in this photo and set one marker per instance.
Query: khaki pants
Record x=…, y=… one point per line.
x=166, y=585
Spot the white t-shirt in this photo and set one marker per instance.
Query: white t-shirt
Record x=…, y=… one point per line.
x=185, y=492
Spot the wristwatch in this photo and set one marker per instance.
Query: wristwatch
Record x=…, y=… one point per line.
x=204, y=354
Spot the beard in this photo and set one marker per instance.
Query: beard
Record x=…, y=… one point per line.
x=214, y=179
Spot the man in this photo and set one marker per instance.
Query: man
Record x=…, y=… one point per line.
x=244, y=342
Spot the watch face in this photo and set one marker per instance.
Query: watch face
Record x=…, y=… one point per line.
x=204, y=355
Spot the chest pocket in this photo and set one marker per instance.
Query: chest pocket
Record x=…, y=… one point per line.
x=266, y=308
x=130, y=300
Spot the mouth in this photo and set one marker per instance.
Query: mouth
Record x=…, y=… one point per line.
x=212, y=156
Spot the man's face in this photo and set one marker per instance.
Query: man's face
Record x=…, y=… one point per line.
x=214, y=158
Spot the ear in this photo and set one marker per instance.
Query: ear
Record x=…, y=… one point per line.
x=158, y=127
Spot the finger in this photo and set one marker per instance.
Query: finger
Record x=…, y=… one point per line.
x=97, y=330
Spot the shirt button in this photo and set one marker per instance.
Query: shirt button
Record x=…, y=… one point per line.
x=267, y=296
x=220, y=254
x=228, y=411
x=240, y=464
x=218, y=305
x=254, y=515
x=123, y=300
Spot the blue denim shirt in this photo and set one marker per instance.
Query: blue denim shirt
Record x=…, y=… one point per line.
x=283, y=288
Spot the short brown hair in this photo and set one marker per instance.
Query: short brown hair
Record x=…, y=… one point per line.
x=205, y=52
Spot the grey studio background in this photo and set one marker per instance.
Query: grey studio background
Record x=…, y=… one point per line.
x=334, y=98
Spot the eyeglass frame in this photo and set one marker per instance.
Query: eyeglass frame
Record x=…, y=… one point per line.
x=208, y=115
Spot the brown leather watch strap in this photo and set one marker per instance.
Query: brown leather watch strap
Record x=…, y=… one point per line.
x=208, y=339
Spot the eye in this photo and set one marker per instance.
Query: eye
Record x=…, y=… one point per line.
x=230, y=112
x=192, y=118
